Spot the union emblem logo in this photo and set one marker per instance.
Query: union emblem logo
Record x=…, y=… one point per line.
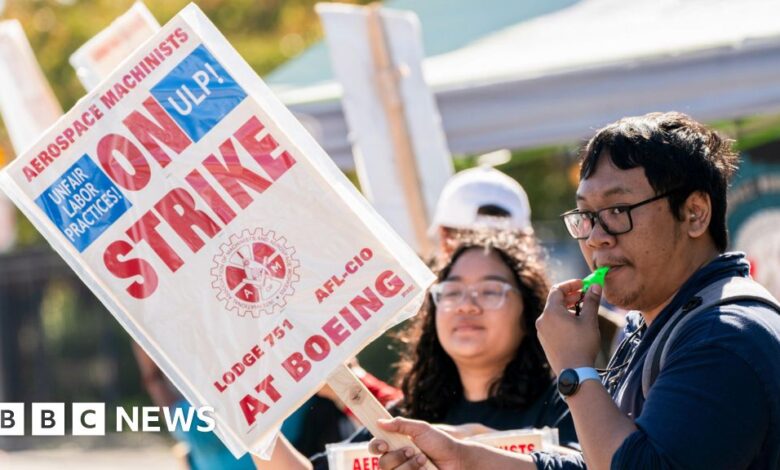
x=255, y=272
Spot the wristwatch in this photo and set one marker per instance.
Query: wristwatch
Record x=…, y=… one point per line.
x=569, y=380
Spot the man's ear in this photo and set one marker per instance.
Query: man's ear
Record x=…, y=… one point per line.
x=697, y=214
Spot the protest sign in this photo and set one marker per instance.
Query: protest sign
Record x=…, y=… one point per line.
x=521, y=441
x=399, y=146
x=351, y=456
x=355, y=456
x=216, y=230
x=26, y=100
x=27, y=104
x=99, y=56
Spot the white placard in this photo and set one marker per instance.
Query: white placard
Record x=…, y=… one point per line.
x=216, y=230
x=347, y=32
x=27, y=104
x=106, y=50
x=26, y=100
x=520, y=441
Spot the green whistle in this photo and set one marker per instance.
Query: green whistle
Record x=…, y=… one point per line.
x=596, y=277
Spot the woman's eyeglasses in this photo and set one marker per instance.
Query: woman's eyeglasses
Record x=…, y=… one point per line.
x=488, y=295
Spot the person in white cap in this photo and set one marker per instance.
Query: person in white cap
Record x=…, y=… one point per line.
x=479, y=198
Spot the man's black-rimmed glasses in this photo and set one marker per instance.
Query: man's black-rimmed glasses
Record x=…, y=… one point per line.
x=615, y=220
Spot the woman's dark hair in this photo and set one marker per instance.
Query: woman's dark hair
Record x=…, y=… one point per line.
x=427, y=374
x=676, y=153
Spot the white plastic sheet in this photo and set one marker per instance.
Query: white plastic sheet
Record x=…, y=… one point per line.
x=216, y=230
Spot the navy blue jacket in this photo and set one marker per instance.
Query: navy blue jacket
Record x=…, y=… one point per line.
x=716, y=402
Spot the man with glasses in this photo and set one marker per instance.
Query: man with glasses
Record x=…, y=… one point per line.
x=696, y=382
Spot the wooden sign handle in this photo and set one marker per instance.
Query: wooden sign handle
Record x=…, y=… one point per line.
x=366, y=407
x=389, y=90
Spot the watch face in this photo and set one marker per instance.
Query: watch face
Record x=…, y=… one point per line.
x=568, y=381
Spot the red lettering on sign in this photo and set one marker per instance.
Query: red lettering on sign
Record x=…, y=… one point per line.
x=317, y=347
x=369, y=302
x=388, y=284
x=178, y=209
x=232, y=175
x=248, y=360
x=112, y=144
x=365, y=463
x=252, y=406
x=133, y=267
x=297, y=366
x=261, y=149
x=151, y=133
x=335, y=331
x=61, y=142
x=210, y=196
x=146, y=229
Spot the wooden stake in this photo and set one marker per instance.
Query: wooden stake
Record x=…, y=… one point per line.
x=366, y=407
x=387, y=81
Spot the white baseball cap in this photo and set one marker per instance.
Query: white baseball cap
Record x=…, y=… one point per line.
x=478, y=188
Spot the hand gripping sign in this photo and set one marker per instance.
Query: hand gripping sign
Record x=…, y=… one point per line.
x=356, y=456
x=216, y=231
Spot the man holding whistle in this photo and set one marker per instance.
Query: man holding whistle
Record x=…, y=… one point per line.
x=696, y=382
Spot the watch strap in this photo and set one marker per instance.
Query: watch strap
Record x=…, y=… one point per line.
x=587, y=373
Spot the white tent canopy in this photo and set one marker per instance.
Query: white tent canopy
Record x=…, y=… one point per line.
x=556, y=74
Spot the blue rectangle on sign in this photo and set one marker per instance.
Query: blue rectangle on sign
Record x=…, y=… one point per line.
x=198, y=93
x=83, y=203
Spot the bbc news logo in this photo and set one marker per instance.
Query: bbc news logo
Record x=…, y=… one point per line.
x=89, y=419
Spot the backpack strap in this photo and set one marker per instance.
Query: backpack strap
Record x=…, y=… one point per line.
x=724, y=291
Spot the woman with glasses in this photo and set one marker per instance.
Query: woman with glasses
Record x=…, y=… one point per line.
x=474, y=355
x=473, y=359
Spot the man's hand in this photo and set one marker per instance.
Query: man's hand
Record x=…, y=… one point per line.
x=568, y=340
x=462, y=431
x=442, y=449
x=445, y=452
